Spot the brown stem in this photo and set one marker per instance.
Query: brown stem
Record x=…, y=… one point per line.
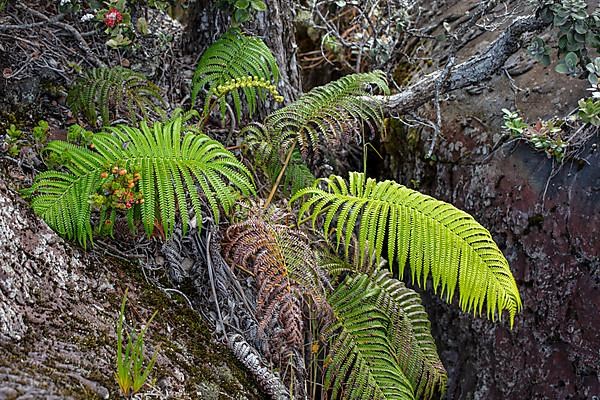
x=274, y=188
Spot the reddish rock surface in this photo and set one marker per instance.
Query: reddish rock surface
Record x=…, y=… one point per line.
x=552, y=242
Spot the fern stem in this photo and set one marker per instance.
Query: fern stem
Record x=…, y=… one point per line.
x=278, y=181
x=210, y=108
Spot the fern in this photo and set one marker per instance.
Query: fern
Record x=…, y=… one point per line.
x=410, y=332
x=281, y=258
x=362, y=361
x=410, y=335
x=434, y=237
x=228, y=66
x=321, y=114
x=286, y=273
x=112, y=93
x=172, y=168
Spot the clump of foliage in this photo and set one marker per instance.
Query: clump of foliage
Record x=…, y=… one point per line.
x=578, y=35
x=131, y=375
x=547, y=136
x=111, y=93
x=170, y=163
x=373, y=335
x=15, y=139
x=243, y=10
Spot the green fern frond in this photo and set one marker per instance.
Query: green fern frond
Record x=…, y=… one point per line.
x=362, y=362
x=174, y=167
x=227, y=64
x=410, y=335
x=433, y=237
x=114, y=93
x=322, y=113
x=410, y=332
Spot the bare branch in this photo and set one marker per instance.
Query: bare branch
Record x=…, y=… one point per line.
x=472, y=71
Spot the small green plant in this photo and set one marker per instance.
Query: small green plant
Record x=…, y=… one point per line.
x=76, y=134
x=589, y=111
x=40, y=132
x=13, y=140
x=594, y=71
x=115, y=18
x=119, y=192
x=243, y=10
x=540, y=51
x=513, y=123
x=131, y=374
x=569, y=65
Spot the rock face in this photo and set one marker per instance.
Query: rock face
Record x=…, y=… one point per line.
x=58, y=309
x=549, y=230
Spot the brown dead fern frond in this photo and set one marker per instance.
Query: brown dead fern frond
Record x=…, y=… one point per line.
x=286, y=272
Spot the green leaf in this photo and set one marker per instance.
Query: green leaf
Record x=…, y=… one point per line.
x=562, y=68
x=242, y=4
x=259, y=5
x=241, y=15
x=431, y=236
